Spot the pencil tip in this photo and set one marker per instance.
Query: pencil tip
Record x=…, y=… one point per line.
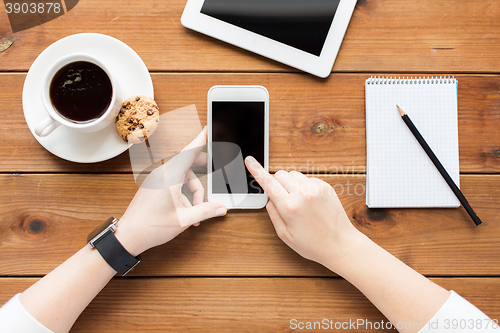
x=401, y=112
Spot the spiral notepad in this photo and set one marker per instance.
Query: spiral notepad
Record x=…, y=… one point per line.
x=399, y=173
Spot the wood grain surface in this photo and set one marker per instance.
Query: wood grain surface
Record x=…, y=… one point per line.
x=44, y=219
x=233, y=274
x=383, y=35
x=315, y=125
x=241, y=304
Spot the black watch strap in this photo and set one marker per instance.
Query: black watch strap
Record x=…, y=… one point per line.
x=115, y=254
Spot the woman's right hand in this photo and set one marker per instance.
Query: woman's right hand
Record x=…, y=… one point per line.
x=308, y=217
x=306, y=213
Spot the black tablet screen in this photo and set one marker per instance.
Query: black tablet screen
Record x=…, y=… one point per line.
x=303, y=24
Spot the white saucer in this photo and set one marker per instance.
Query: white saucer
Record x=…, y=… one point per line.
x=131, y=73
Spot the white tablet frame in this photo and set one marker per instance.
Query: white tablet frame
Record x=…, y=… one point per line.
x=238, y=94
x=321, y=66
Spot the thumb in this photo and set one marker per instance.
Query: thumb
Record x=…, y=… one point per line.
x=201, y=212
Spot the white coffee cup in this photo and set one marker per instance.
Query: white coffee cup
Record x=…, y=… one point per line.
x=54, y=119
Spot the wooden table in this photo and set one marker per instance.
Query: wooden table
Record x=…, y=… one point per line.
x=233, y=274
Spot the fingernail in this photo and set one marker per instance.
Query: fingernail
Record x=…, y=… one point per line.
x=250, y=160
x=220, y=211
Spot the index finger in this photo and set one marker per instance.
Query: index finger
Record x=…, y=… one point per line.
x=271, y=186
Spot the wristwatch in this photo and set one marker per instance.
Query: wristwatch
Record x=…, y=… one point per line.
x=104, y=240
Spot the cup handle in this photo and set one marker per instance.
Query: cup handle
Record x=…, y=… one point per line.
x=46, y=127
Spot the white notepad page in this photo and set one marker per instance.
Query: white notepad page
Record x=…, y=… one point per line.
x=399, y=172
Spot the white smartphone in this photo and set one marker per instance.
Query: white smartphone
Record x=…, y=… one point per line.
x=238, y=126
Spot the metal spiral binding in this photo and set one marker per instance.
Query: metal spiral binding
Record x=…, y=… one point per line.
x=383, y=80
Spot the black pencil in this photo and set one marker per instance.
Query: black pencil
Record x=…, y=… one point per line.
x=439, y=166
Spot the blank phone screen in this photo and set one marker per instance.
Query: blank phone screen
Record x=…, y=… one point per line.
x=240, y=125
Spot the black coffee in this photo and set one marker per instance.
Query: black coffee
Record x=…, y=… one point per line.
x=81, y=91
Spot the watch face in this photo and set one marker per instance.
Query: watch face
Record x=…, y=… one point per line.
x=100, y=229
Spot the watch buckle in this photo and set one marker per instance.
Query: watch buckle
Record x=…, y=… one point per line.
x=131, y=268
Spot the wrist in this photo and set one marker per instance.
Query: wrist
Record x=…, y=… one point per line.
x=343, y=249
x=129, y=239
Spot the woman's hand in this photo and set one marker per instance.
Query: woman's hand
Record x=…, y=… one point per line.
x=159, y=210
x=308, y=217
x=158, y=213
x=306, y=213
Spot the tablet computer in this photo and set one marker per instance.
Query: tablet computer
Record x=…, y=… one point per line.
x=305, y=34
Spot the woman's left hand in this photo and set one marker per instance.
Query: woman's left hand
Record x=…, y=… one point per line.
x=159, y=210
